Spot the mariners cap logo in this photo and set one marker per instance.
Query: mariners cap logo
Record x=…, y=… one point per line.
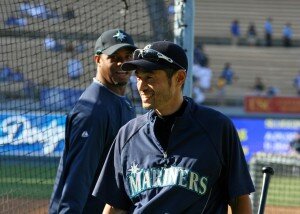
x=119, y=36
x=112, y=40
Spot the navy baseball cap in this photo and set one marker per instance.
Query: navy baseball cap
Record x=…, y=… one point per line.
x=157, y=56
x=112, y=40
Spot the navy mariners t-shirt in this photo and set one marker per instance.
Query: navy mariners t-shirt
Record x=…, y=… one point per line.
x=202, y=168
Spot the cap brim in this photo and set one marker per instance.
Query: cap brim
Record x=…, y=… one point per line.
x=111, y=50
x=144, y=64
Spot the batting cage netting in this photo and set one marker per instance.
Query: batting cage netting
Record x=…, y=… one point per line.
x=47, y=49
x=284, y=188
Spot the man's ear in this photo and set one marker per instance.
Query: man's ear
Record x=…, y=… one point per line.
x=97, y=58
x=181, y=76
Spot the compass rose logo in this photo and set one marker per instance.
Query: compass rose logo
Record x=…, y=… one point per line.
x=120, y=36
x=134, y=168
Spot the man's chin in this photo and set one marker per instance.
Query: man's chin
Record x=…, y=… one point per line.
x=121, y=83
x=147, y=106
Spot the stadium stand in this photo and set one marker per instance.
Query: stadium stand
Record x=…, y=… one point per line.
x=276, y=66
x=247, y=62
x=213, y=18
x=75, y=26
x=36, y=60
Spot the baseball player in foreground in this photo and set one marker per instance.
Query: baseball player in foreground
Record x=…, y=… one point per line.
x=179, y=157
x=92, y=125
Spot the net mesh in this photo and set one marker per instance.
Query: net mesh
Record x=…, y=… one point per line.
x=284, y=188
x=37, y=90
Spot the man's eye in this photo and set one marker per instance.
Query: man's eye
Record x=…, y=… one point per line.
x=128, y=58
x=113, y=57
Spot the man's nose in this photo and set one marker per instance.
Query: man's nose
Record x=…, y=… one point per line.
x=141, y=85
x=121, y=60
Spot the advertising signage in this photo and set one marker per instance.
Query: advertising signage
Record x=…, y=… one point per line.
x=31, y=134
x=266, y=134
x=261, y=104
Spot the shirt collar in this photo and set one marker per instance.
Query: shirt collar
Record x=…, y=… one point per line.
x=101, y=84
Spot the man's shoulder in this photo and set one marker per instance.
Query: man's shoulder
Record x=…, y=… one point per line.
x=208, y=112
x=135, y=123
x=90, y=103
x=207, y=115
x=95, y=94
x=132, y=127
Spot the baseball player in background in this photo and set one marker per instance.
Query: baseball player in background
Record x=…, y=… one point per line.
x=179, y=157
x=92, y=125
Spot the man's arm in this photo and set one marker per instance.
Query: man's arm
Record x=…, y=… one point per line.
x=112, y=210
x=82, y=162
x=241, y=204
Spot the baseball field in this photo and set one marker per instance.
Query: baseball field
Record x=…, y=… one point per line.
x=26, y=188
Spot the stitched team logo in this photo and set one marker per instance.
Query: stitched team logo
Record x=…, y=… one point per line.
x=142, y=179
x=120, y=36
x=134, y=168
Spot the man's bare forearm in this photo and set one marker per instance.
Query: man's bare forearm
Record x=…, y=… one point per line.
x=112, y=210
x=241, y=204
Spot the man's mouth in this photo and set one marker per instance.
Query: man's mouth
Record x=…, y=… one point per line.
x=146, y=97
x=122, y=72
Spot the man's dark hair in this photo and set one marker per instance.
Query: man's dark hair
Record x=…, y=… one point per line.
x=170, y=73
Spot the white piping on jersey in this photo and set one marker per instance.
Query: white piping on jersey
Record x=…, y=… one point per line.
x=207, y=200
x=100, y=83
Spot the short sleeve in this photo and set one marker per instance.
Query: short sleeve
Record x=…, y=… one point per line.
x=238, y=177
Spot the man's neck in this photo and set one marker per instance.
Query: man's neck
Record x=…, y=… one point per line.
x=171, y=107
x=116, y=89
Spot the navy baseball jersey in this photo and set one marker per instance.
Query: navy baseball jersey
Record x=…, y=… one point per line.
x=202, y=168
x=91, y=127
